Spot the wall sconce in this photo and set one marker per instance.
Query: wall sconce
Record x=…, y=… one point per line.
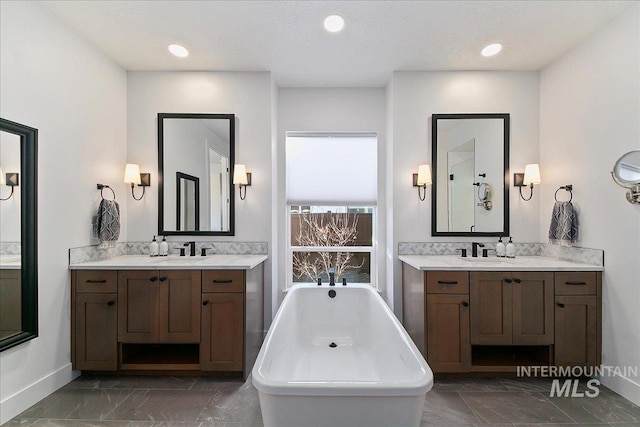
x=242, y=178
x=421, y=180
x=11, y=179
x=133, y=176
x=530, y=176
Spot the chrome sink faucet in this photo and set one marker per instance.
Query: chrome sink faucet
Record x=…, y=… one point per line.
x=474, y=248
x=332, y=276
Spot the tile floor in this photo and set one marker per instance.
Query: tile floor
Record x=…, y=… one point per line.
x=189, y=402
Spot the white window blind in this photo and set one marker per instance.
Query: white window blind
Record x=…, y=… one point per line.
x=331, y=168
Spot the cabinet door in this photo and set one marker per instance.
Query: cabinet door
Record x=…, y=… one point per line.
x=138, y=306
x=179, y=313
x=96, y=329
x=221, y=347
x=532, y=308
x=576, y=330
x=449, y=348
x=491, y=307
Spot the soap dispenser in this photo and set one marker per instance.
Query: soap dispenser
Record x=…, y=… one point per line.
x=164, y=246
x=500, y=248
x=153, y=247
x=511, y=249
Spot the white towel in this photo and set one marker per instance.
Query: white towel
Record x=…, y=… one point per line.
x=564, y=224
x=108, y=223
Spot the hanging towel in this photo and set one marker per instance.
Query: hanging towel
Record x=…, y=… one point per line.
x=564, y=224
x=108, y=223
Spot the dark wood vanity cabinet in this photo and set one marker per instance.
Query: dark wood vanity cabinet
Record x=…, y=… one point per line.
x=159, y=306
x=511, y=308
x=494, y=321
x=167, y=320
x=95, y=309
x=578, y=319
x=448, y=345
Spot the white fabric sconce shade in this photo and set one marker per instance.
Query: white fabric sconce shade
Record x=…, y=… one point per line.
x=531, y=174
x=240, y=174
x=424, y=175
x=132, y=174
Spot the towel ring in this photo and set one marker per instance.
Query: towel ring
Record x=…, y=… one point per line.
x=569, y=188
x=102, y=187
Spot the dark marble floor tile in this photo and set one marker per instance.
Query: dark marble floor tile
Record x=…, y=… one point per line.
x=156, y=383
x=210, y=383
x=606, y=407
x=234, y=402
x=446, y=408
x=514, y=407
x=161, y=405
x=77, y=404
x=468, y=384
x=93, y=381
x=90, y=423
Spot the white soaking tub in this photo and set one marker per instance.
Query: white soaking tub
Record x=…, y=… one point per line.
x=339, y=361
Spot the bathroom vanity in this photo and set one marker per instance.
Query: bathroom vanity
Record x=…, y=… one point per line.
x=140, y=314
x=493, y=314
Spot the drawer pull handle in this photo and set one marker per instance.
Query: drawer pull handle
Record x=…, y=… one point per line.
x=223, y=281
x=508, y=280
x=447, y=282
x=575, y=283
x=110, y=303
x=205, y=302
x=162, y=279
x=95, y=281
x=466, y=304
x=561, y=305
x=153, y=279
x=517, y=280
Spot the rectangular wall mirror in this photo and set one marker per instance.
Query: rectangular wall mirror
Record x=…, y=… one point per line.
x=470, y=188
x=18, y=234
x=195, y=166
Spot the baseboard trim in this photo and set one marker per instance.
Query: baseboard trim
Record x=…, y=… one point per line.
x=624, y=386
x=32, y=394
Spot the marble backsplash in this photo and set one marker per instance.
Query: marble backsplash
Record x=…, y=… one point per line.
x=574, y=254
x=10, y=248
x=94, y=253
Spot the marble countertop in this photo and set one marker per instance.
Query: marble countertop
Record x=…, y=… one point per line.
x=173, y=262
x=521, y=263
x=10, y=262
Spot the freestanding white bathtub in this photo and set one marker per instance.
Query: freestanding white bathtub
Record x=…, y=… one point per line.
x=339, y=361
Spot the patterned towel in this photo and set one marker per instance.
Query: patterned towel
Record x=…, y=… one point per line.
x=108, y=223
x=564, y=224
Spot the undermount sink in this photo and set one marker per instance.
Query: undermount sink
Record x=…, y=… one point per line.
x=487, y=259
x=177, y=259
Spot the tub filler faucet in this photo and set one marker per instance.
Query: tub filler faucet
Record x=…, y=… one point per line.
x=332, y=276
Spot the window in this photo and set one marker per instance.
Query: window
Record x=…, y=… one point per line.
x=331, y=207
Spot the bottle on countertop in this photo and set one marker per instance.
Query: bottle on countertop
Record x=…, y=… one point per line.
x=511, y=249
x=164, y=247
x=153, y=247
x=500, y=248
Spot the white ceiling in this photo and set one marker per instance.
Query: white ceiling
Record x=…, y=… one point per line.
x=287, y=37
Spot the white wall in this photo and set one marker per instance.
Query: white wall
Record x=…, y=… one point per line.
x=326, y=110
x=418, y=95
x=590, y=116
x=245, y=94
x=56, y=82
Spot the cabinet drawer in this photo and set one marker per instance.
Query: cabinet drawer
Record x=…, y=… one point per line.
x=576, y=283
x=222, y=281
x=447, y=282
x=96, y=281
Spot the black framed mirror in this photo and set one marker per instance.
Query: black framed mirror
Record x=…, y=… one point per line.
x=18, y=234
x=196, y=149
x=470, y=183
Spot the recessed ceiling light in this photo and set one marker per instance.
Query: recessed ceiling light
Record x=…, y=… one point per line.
x=334, y=23
x=492, y=49
x=178, y=50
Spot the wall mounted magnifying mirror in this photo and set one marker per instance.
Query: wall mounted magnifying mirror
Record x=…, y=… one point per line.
x=626, y=173
x=195, y=167
x=18, y=235
x=470, y=162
